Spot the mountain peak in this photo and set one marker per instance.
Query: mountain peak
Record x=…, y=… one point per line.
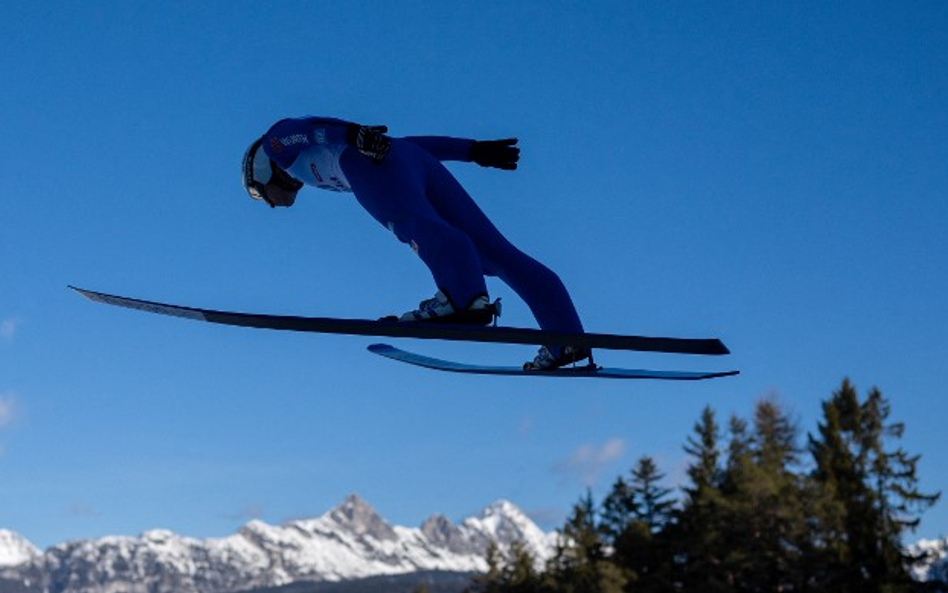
x=350, y=541
x=358, y=517
x=503, y=507
x=440, y=531
x=15, y=549
x=504, y=521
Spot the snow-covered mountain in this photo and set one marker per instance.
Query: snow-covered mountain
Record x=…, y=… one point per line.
x=15, y=549
x=350, y=541
x=934, y=567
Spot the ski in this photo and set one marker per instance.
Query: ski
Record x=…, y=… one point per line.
x=422, y=330
x=590, y=371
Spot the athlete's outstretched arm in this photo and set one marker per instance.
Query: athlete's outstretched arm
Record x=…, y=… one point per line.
x=444, y=148
x=502, y=154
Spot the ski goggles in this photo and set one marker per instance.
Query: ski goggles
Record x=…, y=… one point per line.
x=256, y=171
x=265, y=181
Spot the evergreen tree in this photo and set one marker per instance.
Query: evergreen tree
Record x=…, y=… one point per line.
x=634, y=514
x=775, y=438
x=579, y=564
x=735, y=508
x=739, y=454
x=870, y=488
x=653, y=507
x=766, y=524
x=643, y=550
x=493, y=580
x=515, y=572
x=897, y=497
x=521, y=575
x=743, y=527
x=618, y=511
x=784, y=530
x=751, y=519
x=840, y=493
x=705, y=472
x=697, y=538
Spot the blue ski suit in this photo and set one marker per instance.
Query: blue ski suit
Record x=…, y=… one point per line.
x=412, y=194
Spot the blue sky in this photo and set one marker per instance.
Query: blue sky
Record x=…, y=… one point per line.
x=773, y=174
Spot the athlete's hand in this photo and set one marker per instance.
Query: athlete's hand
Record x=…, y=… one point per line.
x=502, y=154
x=369, y=140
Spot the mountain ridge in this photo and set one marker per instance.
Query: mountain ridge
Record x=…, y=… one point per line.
x=349, y=542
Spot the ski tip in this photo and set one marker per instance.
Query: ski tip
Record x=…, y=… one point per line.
x=80, y=291
x=89, y=294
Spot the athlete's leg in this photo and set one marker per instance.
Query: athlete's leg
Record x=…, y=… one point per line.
x=393, y=192
x=537, y=285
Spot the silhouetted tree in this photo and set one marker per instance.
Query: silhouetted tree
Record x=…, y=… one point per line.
x=618, y=511
x=580, y=564
x=755, y=514
x=765, y=524
x=870, y=494
x=697, y=538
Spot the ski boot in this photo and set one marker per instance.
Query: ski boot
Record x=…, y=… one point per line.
x=439, y=309
x=547, y=361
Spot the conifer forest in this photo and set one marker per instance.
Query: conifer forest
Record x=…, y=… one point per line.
x=765, y=507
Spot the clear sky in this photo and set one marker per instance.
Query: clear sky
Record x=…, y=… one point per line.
x=773, y=174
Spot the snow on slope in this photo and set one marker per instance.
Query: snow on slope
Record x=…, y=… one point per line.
x=15, y=549
x=934, y=567
x=351, y=541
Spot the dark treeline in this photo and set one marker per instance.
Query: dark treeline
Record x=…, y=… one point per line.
x=763, y=510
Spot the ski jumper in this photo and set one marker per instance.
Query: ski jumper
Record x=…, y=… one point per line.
x=412, y=194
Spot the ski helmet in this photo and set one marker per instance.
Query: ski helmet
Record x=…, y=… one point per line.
x=265, y=180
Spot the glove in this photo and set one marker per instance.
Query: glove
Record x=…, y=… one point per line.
x=501, y=154
x=369, y=140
